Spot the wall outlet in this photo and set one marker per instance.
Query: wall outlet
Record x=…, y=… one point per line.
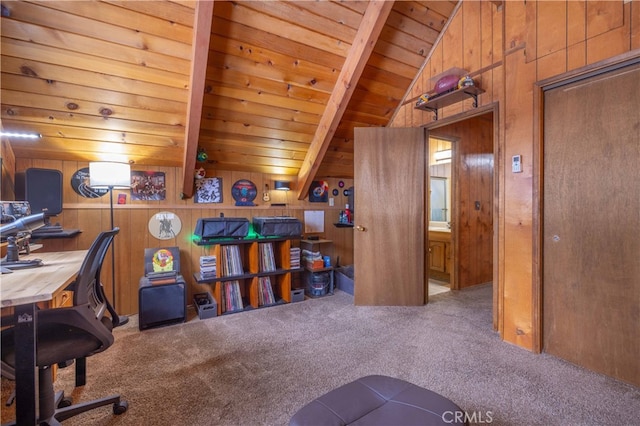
x=331, y=202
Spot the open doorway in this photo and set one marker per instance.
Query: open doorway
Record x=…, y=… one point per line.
x=470, y=260
x=440, y=184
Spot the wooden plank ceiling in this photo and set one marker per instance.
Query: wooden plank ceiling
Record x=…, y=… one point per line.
x=272, y=87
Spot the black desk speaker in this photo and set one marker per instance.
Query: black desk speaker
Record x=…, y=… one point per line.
x=161, y=304
x=42, y=188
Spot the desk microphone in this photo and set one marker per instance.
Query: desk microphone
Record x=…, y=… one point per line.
x=28, y=223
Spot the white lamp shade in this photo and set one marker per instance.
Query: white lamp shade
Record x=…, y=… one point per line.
x=105, y=174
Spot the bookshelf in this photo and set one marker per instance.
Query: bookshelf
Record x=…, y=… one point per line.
x=314, y=270
x=245, y=274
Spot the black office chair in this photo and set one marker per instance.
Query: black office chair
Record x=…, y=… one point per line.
x=69, y=333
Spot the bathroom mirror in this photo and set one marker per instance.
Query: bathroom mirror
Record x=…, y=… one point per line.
x=440, y=172
x=439, y=205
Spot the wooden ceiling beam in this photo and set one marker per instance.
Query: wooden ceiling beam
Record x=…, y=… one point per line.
x=370, y=28
x=203, y=17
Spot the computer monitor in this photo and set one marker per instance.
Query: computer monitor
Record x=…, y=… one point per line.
x=42, y=188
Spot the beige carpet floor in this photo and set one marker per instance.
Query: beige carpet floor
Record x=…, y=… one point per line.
x=259, y=367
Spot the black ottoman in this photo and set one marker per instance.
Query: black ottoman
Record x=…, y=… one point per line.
x=379, y=400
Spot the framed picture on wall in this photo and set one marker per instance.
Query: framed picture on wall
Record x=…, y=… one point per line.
x=147, y=186
x=319, y=191
x=208, y=190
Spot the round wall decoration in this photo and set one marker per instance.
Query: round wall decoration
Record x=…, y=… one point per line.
x=80, y=184
x=244, y=192
x=335, y=192
x=165, y=225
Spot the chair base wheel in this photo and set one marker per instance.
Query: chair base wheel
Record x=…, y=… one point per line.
x=120, y=407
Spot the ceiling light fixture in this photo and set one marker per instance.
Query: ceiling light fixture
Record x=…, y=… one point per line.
x=23, y=135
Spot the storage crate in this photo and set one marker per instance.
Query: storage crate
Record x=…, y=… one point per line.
x=206, y=305
x=344, y=279
x=319, y=283
x=297, y=295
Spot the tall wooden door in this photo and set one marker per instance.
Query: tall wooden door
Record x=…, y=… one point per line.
x=389, y=217
x=591, y=223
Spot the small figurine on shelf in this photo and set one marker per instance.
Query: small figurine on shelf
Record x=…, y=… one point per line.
x=347, y=213
x=465, y=81
x=423, y=99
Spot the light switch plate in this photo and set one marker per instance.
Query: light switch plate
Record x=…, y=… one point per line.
x=516, y=164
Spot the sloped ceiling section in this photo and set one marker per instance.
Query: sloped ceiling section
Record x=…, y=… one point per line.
x=113, y=79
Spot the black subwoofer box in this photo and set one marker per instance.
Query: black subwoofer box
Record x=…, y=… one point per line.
x=161, y=304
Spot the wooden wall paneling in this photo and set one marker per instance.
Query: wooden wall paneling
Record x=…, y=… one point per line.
x=603, y=16
x=462, y=240
x=518, y=128
x=515, y=25
x=551, y=26
x=123, y=259
x=576, y=55
x=576, y=22
x=552, y=64
x=498, y=204
x=616, y=17
x=486, y=176
x=415, y=114
x=89, y=226
x=635, y=25
x=453, y=45
x=486, y=51
x=531, y=31
x=8, y=171
x=92, y=216
x=472, y=36
x=69, y=196
x=498, y=55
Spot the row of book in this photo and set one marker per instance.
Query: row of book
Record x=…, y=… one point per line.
x=208, y=267
x=265, y=292
x=267, y=258
x=231, y=262
x=232, y=296
x=295, y=257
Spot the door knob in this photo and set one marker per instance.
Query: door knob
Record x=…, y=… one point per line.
x=360, y=228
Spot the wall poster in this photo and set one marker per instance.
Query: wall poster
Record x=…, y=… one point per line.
x=319, y=191
x=208, y=190
x=147, y=186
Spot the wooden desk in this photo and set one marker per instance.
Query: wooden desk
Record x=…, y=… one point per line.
x=21, y=290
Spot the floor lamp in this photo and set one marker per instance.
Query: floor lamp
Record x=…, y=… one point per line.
x=110, y=175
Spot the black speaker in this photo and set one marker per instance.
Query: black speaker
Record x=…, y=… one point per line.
x=42, y=188
x=161, y=304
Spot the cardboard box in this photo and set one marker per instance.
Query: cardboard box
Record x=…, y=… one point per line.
x=205, y=305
